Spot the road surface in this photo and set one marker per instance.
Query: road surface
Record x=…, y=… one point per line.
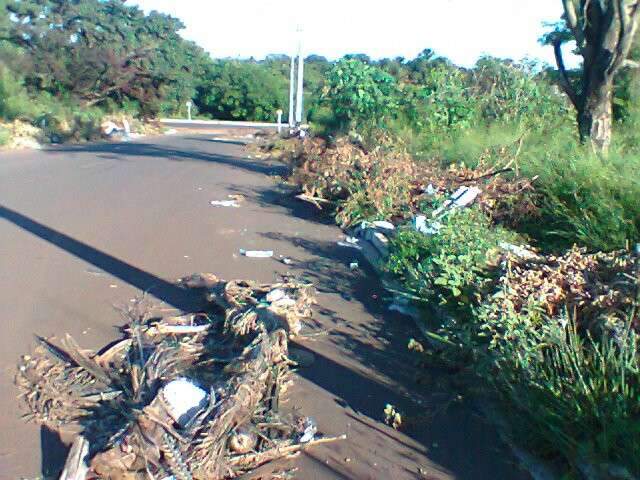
x=89, y=227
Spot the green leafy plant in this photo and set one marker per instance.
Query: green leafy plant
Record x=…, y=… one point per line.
x=5, y=135
x=443, y=100
x=452, y=267
x=360, y=95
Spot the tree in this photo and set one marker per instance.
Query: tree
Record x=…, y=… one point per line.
x=97, y=51
x=242, y=90
x=603, y=31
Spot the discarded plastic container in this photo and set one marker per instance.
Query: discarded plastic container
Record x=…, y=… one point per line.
x=256, y=253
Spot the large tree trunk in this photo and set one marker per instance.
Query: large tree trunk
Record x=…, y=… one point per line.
x=595, y=114
x=603, y=31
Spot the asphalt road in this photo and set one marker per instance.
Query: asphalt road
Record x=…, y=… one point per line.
x=89, y=227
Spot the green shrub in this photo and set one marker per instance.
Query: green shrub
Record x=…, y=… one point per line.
x=511, y=92
x=452, y=267
x=238, y=90
x=5, y=135
x=442, y=101
x=14, y=100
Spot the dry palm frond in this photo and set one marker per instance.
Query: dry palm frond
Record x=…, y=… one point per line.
x=118, y=397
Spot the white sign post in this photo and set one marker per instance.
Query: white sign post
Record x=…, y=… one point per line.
x=279, y=115
x=189, y=104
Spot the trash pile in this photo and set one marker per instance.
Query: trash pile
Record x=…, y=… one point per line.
x=195, y=396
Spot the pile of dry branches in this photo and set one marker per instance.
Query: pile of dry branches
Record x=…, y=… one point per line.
x=600, y=288
x=395, y=184
x=194, y=396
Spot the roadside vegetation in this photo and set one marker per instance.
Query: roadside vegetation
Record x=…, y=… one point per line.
x=551, y=330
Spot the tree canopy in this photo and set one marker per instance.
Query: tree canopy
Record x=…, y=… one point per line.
x=98, y=51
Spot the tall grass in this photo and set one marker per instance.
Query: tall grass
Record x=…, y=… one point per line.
x=574, y=395
x=584, y=198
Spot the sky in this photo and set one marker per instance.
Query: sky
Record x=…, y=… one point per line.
x=461, y=30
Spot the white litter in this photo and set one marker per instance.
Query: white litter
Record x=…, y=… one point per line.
x=310, y=429
x=183, y=329
x=428, y=227
x=354, y=266
x=430, y=190
x=275, y=295
x=257, y=253
x=285, y=302
x=404, y=309
x=465, y=196
x=349, y=245
x=225, y=203
x=184, y=400
x=383, y=224
x=109, y=128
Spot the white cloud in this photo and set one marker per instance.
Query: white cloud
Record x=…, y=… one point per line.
x=459, y=29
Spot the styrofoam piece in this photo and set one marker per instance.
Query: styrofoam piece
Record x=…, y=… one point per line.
x=383, y=224
x=225, y=203
x=184, y=399
x=465, y=196
x=275, y=295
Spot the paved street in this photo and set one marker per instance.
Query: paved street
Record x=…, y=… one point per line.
x=86, y=228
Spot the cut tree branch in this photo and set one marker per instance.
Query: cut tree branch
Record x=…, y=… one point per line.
x=565, y=83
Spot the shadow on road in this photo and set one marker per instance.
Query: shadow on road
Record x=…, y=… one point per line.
x=145, y=281
x=150, y=150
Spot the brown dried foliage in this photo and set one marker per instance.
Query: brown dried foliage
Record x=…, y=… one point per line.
x=600, y=288
x=115, y=397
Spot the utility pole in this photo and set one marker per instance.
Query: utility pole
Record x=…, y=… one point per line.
x=292, y=97
x=300, y=89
